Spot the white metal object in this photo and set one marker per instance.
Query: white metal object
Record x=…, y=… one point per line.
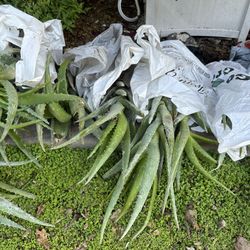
x=221, y=18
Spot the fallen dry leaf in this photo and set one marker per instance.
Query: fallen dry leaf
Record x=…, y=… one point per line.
x=117, y=229
x=242, y=244
x=42, y=238
x=40, y=209
x=156, y=232
x=191, y=217
x=115, y=215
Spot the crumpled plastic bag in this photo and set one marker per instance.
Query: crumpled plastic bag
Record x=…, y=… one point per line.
x=231, y=100
x=169, y=69
x=36, y=40
x=98, y=64
x=94, y=59
x=241, y=54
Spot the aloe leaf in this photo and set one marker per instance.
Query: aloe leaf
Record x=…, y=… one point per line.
x=150, y=209
x=59, y=113
x=178, y=174
x=120, y=183
x=114, y=111
x=200, y=121
x=12, y=106
x=155, y=104
x=40, y=109
x=126, y=150
x=11, y=209
x=7, y=222
x=131, y=107
x=178, y=119
x=118, y=166
x=121, y=92
x=168, y=125
x=29, y=117
x=16, y=190
x=31, y=91
x=116, y=139
x=36, y=114
x=78, y=108
x=201, y=152
x=14, y=163
x=172, y=195
x=178, y=149
x=169, y=129
x=45, y=98
x=141, y=130
x=150, y=174
x=104, y=135
x=17, y=140
x=168, y=165
x=8, y=196
x=99, y=111
x=134, y=187
x=3, y=154
x=109, y=95
x=194, y=160
x=145, y=141
x=55, y=108
x=21, y=125
x=203, y=139
x=220, y=161
x=62, y=83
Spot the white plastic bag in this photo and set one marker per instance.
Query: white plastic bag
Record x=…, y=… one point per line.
x=241, y=54
x=231, y=99
x=130, y=54
x=97, y=65
x=95, y=58
x=169, y=69
x=37, y=40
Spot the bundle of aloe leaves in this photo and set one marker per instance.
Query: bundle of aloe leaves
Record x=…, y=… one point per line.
x=45, y=106
x=152, y=147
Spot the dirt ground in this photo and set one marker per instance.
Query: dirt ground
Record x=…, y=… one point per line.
x=101, y=13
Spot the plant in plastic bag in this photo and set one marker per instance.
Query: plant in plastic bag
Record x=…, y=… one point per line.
x=150, y=148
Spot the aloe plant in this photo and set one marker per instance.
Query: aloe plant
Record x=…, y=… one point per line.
x=159, y=141
x=39, y=106
x=151, y=147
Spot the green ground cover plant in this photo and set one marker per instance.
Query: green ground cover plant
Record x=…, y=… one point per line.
x=77, y=211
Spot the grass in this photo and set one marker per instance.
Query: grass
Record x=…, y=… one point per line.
x=77, y=211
